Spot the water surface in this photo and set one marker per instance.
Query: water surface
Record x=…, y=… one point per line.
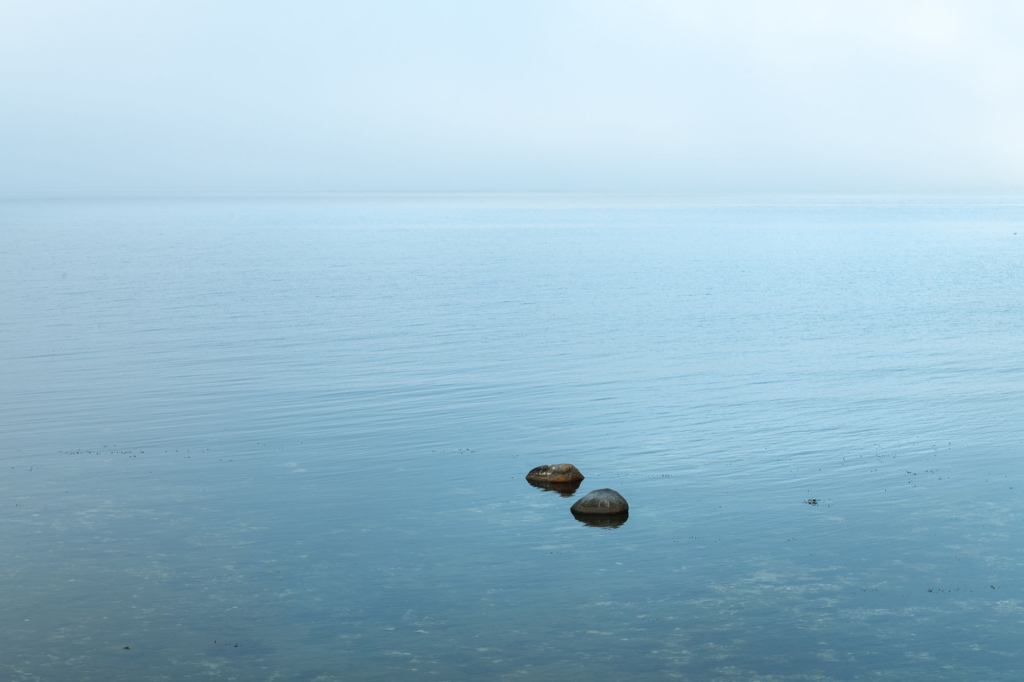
x=285, y=439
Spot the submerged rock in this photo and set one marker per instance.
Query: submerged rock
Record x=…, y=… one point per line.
x=555, y=473
x=604, y=501
x=563, y=489
x=601, y=520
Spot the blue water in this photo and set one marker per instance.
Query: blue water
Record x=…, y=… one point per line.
x=285, y=438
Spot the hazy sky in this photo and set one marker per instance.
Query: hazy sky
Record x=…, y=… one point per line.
x=638, y=95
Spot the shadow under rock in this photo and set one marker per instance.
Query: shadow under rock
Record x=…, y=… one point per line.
x=601, y=520
x=563, y=489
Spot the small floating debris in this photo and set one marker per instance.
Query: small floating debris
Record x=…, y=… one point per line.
x=813, y=501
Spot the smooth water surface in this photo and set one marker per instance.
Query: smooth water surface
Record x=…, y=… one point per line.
x=285, y=439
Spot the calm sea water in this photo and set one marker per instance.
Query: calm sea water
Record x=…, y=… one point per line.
x=285, y=439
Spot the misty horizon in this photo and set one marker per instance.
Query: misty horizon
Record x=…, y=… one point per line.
x=115, y=98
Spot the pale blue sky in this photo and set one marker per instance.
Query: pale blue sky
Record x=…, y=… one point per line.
x=643, y=95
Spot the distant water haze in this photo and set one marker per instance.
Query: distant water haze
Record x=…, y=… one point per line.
x=117, y=97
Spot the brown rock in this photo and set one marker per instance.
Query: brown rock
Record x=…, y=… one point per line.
x=555, y=473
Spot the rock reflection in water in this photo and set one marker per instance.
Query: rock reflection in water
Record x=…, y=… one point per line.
x=563, y=489
x=601, y=520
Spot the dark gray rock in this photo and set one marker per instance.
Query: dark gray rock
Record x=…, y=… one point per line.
x=603, y=501
x=555, y=473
